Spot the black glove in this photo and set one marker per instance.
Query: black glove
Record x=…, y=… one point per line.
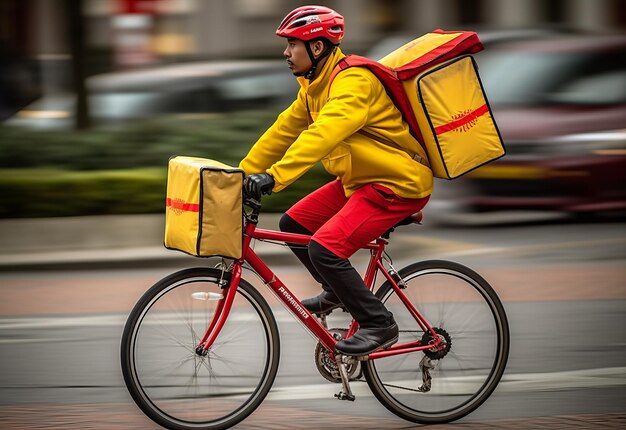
x=259, y=184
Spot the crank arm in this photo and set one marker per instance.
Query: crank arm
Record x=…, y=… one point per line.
x=345, y=393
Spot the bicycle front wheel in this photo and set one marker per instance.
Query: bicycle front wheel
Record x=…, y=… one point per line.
x=446, y=383
x=180, y=389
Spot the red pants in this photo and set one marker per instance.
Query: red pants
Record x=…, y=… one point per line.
x=344, y=225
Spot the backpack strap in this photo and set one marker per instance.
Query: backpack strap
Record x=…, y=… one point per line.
x=396, y=93
x=339, y=67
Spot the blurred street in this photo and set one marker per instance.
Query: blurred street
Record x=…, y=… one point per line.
x=562, y=285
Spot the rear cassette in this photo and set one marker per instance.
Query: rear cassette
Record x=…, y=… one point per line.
x=441, y=350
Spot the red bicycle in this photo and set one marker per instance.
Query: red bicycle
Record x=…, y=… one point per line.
x=200, y=349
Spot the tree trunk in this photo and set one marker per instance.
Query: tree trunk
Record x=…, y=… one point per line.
x=77, y=46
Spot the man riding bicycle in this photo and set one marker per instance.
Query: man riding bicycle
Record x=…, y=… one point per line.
x=359, y=135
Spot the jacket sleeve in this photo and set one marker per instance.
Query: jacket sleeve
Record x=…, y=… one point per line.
x=273, y=144
x=345, y=112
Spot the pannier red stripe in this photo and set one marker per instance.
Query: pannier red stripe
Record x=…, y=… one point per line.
x=182, y=206
x=462, y=121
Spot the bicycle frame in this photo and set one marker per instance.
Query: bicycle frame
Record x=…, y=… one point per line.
x=294, y=305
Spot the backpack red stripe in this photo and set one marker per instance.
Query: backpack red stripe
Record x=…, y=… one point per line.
x=465, y=43
x=182, y=206
x=476, y=113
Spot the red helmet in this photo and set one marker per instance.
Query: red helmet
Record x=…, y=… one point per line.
x=312, y=22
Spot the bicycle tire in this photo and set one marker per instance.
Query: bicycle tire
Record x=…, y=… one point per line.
x=179, y=389
x=478, y=336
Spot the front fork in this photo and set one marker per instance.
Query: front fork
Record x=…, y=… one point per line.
x=222, y=310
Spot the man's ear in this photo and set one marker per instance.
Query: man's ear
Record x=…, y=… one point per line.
x=317, y=48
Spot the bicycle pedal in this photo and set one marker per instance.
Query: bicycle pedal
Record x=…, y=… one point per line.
x=328, y=312
x=345, y=396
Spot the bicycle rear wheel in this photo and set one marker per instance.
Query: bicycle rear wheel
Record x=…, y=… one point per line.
x=180, y=389
x=468, y=315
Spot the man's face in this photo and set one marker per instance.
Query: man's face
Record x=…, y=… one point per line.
x=297, y=58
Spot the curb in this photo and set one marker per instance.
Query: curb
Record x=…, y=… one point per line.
x=101, y=242
x=123, y=258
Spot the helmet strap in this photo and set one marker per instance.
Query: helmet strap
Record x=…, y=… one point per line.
x=328, y=49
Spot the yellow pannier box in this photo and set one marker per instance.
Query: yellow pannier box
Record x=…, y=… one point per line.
x=204, y=212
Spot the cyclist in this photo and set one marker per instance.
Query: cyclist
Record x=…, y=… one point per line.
x=358, y=134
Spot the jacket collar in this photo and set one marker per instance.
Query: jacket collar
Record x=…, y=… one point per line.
x=321, y=81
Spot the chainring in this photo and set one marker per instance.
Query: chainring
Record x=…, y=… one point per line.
x=440, y=351
x=328, y=367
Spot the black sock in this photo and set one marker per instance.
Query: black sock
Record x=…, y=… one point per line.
x=349, y=287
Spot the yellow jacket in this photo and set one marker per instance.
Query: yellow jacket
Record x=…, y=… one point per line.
x=357, y=101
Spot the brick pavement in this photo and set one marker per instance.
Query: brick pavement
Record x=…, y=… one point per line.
x=105, y=292
x=124, y=416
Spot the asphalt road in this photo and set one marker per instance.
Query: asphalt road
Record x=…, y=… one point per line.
x=563, y=286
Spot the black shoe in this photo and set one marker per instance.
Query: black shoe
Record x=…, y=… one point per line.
x=323, y=304
x=368, y=340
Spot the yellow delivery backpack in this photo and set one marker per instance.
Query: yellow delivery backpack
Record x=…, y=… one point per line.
x=204, y=212
x=434, y=83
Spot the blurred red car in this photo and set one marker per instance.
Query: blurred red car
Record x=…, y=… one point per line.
x=560, y=104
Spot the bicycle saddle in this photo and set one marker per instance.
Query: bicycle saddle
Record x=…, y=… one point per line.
x=415, y=218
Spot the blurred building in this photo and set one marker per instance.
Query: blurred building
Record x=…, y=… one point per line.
x=35, y=43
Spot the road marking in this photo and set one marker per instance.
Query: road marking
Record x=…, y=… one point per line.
x=61, y=322
x=519, y=382
x=20, y=323
x=36, y=340
x=23, y=323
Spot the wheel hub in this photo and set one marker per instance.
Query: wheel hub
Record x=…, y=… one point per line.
x=438, y=351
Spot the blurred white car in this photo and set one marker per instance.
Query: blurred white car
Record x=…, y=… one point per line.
x=180, y=89
x=487, y=37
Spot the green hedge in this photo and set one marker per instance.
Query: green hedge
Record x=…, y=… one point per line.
x=39, y=192
x=142, y=144
x=53, y=192
x=123, y=170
